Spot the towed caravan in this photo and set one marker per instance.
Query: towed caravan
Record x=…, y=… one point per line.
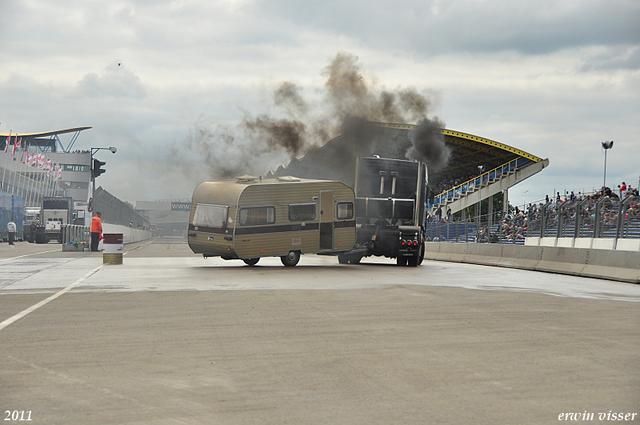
x=285, y=217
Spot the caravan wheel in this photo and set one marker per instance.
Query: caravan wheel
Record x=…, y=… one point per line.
x=291, y=259
x=251, y=261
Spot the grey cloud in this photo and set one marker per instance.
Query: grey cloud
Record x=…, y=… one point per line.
x=440, y=27
x=628, y=59
x=115, y=81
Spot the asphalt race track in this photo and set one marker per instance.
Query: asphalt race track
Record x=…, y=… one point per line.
x=168, y=337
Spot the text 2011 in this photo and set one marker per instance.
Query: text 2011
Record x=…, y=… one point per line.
x=17, y=415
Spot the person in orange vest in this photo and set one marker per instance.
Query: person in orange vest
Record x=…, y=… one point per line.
x=96, y=231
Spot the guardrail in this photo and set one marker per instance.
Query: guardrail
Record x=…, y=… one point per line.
x=75, y=233
x=476, y=183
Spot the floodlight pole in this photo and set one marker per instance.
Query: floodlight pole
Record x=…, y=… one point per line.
x=606, y=146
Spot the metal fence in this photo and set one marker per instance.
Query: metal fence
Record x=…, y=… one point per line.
x=483, y=229
x=114, y=211
x=73, y=233
x=587, y=218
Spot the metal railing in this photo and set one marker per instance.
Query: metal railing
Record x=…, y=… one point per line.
x=476, y=183
x=495, y=228
x=75, y=234
x=587, y=218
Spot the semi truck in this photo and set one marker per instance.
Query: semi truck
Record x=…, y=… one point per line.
x=391, y=204
x=56, y=211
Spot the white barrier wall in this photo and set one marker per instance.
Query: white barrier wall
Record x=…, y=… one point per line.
x=129, y=234
x=586, y=243
x=602, y=263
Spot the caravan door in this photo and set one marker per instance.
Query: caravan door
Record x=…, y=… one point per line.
x=326, y=219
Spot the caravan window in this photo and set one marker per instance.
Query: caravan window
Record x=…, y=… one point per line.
x=345, y=210
x=210, y=216
x=257, y=216
x=302, y=212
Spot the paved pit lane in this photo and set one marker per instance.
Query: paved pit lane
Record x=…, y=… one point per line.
x=169, y=337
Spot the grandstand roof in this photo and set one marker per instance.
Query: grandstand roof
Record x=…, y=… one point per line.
x=469, y=151
x=53, y=135
x=336, y=159
x=46, y=133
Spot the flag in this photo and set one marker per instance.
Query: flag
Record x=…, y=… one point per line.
x=16, y=145
x=29, y=159
x=23, y=143
x=59, y=173
x=6, y=144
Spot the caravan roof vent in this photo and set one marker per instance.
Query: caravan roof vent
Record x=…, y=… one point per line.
x=246, y=178
x=289, y=179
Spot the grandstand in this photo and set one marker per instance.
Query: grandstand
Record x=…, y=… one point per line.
x=613, y=222
x=478, y=168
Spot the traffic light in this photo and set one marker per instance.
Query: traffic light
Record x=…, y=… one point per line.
x=96, y=170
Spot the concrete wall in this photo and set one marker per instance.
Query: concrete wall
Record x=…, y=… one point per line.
x=591, y=262
x=587, y=243
x=129, y=234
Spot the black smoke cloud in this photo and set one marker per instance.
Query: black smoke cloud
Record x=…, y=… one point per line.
x=428, y=144
x=298, y=133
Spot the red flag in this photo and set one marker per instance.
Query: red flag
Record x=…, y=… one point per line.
x=16, y=146
x=6, y=144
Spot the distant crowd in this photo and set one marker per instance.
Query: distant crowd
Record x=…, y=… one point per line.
x=623, y=192
x=513, y=226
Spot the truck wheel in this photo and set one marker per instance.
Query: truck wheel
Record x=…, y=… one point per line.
x=291, y=259
x=251, y=261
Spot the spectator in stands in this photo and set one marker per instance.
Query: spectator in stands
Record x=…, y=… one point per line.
x=631, y=191
x=96, y=231
x=623, y=189
x=483, y=235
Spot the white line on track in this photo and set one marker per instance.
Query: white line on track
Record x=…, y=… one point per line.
x=48, y=300
x=28, y=255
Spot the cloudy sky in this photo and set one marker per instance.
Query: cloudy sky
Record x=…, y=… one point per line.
x=170, y=82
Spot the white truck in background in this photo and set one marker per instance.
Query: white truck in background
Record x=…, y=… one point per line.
x=56, y=212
